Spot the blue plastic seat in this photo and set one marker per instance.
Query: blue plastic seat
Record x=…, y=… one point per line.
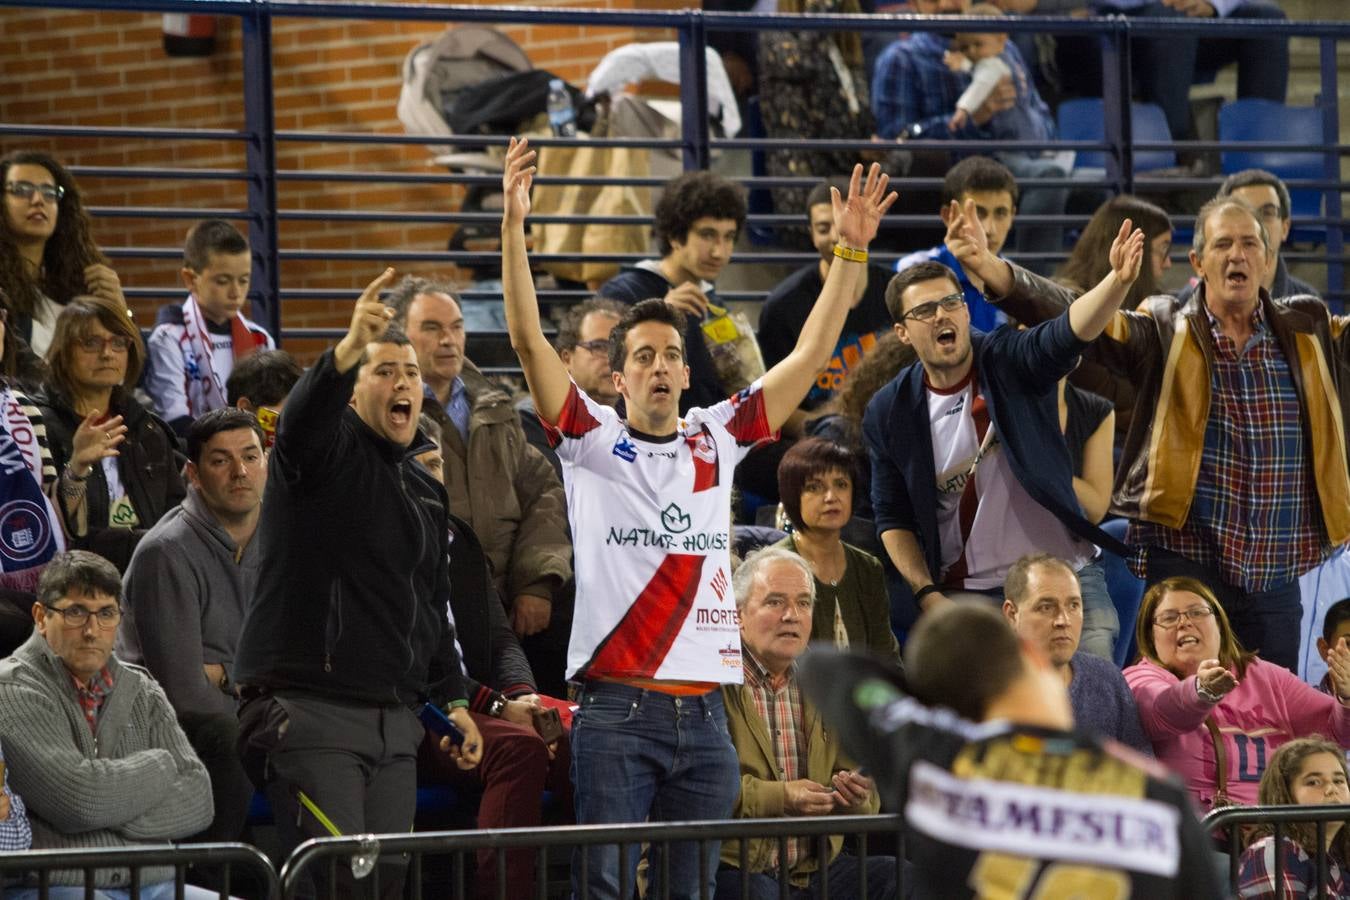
x=1084, y=119
x=1266, y=120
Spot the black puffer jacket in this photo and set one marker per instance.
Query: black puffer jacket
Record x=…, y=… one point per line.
x=149, y=463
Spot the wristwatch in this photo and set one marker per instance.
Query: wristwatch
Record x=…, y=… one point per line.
x=1205, y=693
x=497, y=706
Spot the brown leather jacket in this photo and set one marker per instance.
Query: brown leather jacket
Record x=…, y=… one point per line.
x=1166, y=350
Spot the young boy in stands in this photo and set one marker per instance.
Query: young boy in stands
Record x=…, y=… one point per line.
x=695, y=223
x=1335, y=628
x=194, y=346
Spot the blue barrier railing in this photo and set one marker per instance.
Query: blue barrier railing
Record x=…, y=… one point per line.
x=260, y=136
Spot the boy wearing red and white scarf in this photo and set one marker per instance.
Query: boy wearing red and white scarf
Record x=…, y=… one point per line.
x=194, y=347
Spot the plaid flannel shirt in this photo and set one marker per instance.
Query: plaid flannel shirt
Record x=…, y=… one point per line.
x=911, y=85
x=1256, y=873
x=780, y=706
x=1254, y=514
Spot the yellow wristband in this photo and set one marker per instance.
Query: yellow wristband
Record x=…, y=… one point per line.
x=850, y=254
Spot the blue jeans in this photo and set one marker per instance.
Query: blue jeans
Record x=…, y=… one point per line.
x=1266, y=622
x=843, y=876
x=1101, y=622
x=641, y=755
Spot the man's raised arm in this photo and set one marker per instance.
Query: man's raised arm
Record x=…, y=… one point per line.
x=544, y=370
x=856, y=219
x=1089, y=314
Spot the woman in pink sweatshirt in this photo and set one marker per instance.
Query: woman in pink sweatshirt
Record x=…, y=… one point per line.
x=1192, y=668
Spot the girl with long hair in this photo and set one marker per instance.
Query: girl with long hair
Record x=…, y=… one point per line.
x=1304, y=772
x=47, y=255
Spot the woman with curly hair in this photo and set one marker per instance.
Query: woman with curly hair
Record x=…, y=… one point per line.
x=1304, y=772
x=47, y=255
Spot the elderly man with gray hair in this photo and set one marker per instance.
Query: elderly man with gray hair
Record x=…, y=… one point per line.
x=790, y=765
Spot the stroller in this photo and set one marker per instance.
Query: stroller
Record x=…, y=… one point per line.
x=472, y=80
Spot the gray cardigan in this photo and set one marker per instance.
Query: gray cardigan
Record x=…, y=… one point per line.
x=185, y=602
x=137, y=781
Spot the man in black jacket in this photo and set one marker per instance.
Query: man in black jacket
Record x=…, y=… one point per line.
x=348, y=628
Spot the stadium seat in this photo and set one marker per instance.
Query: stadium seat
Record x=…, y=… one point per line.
x=1084, y=119
x=1266, y=120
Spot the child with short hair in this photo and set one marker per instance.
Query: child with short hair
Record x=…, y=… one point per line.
x=195, y=344
x=1306, y=772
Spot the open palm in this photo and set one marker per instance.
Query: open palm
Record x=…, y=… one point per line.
x=517, y=176
x=858, y=216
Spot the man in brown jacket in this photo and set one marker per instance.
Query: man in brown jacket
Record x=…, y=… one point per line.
x=1234, y=469
x=497, y=482
x=790, y=765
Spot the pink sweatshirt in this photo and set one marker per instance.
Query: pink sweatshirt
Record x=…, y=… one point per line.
x=1268, y=707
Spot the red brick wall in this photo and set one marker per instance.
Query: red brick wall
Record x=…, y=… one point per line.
x=78, y=68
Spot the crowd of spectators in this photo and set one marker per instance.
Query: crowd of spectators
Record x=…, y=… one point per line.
x=223, y=574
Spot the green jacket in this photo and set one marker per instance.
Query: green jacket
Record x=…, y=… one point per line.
x=763, y=791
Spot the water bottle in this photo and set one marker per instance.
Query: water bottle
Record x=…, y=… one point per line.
x=560, y=113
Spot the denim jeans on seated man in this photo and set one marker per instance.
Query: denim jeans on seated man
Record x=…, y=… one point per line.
x=646, y=755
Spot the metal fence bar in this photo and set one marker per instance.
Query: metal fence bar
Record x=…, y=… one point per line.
x=1331, y=167
x=261, y=155
x=1233, y=818
x=326, y=851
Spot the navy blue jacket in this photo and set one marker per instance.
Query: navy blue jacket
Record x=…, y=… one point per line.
x=1018, y=373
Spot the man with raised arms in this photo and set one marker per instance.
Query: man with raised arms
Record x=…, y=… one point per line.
x=649, y=501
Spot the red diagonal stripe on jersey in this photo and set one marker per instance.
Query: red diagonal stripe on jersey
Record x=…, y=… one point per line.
x=574, y=419
x=638, y=644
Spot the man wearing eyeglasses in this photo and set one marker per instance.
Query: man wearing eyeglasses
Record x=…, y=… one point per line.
x=583, y=345
x=969, y=467
x=91, y=744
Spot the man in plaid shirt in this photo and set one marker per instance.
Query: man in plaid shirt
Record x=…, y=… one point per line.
x=790, y=765
x=1234, y=469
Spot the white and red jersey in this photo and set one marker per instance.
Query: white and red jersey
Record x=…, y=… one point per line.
x=651, y=522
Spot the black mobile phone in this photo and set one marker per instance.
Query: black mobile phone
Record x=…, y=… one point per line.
x=439, y=724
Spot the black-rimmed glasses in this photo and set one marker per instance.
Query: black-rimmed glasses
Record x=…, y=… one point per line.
x=51, y=193
x=77, y=616
x=925, y=312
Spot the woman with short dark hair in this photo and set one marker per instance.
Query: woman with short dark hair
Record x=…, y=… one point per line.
x=815, y=482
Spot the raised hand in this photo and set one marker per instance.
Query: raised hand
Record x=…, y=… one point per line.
x=1127, y=253
x=1338, y=663
x=95, y=439
x=517, y=176
x=858, y=216
x=965, y=237
x=370, y=317
x=102, y=281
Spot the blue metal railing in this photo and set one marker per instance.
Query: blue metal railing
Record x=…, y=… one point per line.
x=260, y=137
